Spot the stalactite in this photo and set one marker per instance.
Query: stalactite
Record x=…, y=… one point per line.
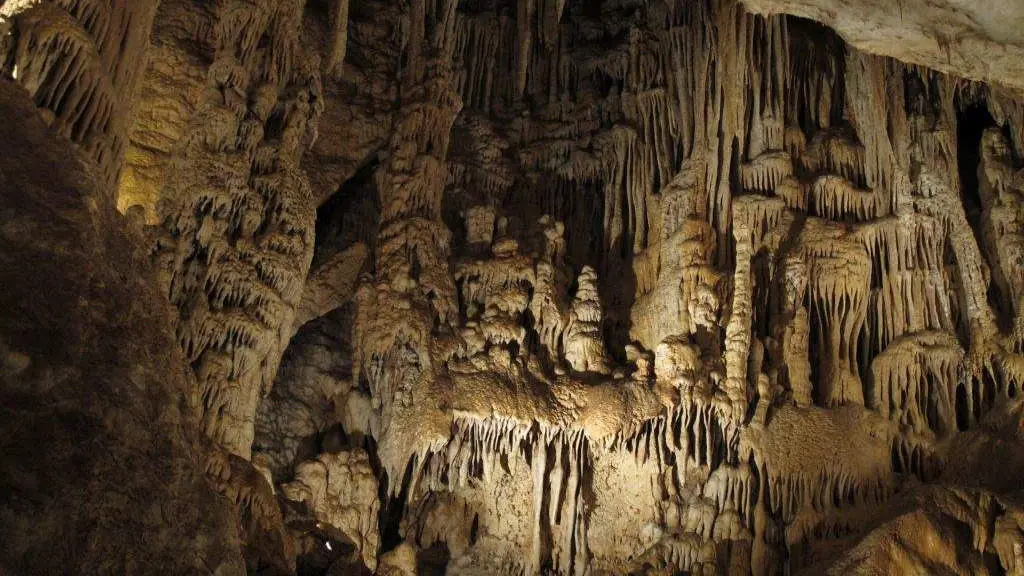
x=866, y=105
x=80, y=60
x=779, y=305
x=239, y=225
x=525, y=13
x=339, y=39
x=916, y=378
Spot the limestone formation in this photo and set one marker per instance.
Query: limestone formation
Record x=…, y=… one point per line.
x=511, y=287
x=340, y=491
x=239, y=214
x=102, y=466
x=583, y=342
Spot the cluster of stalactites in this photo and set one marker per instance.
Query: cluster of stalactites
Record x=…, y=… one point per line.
x=263, y=37
x=501, y=59
x=535, y=19
x=80, y=60
x=479, y=172
x=708, y=496
x=695, y=451
x=823, y=506
x=239, y=215
x=694, y=433
x=680, y=110
x=885, y=278
x=861, y=288
x=660, y=114
x=481, y=450
x=916, y=379
x=858, y=178
x=907, y=255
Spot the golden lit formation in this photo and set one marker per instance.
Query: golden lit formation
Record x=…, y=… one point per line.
x=575, y=287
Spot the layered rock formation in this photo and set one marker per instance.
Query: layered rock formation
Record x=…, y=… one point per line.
x=524, y=287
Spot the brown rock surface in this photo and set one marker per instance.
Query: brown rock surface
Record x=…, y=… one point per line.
x=511, y=287
x=101, y=457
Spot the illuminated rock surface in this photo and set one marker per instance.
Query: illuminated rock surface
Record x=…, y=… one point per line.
x=511, y=287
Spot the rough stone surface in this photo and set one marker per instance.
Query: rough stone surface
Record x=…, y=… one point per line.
x=341, y=492
x=512, y=287
x=101, y=468
x=977, y=40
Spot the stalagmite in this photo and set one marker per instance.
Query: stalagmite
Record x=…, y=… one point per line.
x=582, y=341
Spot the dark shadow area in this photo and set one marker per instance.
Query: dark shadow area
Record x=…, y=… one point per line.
x=433, y=561
x=972, y=121
x=350, y=215
x=963, y=415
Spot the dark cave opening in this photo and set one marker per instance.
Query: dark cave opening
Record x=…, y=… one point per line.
x=963, y=413
x=350, y=215
x=972, y=122
x=392, y=508
x=991, y=386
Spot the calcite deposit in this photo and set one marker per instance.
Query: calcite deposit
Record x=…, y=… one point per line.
x=574, y=287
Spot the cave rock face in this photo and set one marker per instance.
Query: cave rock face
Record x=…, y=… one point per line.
x=512, y=286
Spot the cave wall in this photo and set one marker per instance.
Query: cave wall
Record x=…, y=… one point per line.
x=102, y=466
x=543, y=286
